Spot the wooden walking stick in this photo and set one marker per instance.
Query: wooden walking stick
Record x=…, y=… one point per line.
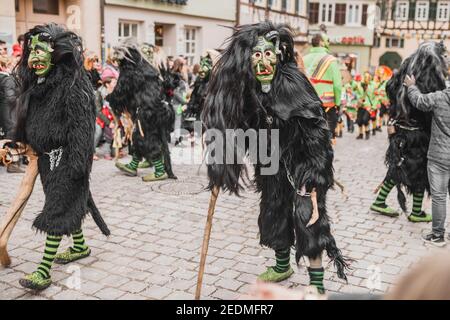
x=206, y=237
x=15, y=211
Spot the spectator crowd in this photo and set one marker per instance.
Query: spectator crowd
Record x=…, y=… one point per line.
x=111, y=135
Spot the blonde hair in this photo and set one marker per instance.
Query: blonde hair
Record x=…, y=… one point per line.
x=5, y=62
x=89, y=58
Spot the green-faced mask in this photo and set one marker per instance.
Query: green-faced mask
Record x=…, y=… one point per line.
x=148, y=52
x=40, y=59
x=264, y=60
x=326, y=41
x=205, y=67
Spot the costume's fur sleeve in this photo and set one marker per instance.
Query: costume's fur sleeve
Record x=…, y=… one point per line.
x=197, y=96
x=306, y=139
x=313, y=157
x=80, y=133
x=306, y=146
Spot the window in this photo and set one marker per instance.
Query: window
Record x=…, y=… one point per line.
x=297, y=6
x=313, y=13
x=402, y=11
x=326, y=14
x=46, y=6
x=191, y=44
x=394, y=42
x=128, y=29
x=354, y=14
x=273, y=3
x=422, y=10
x=377, y=42
x=159, y=35
x=383, y=10
x=339, y=17
x=443, y=11
x=17, y=6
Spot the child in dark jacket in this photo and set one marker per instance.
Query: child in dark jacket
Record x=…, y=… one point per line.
x=105, y=118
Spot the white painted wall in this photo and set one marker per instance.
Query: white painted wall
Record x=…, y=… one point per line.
x=210, y=31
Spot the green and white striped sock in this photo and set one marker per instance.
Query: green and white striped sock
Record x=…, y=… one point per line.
x=159, y=167
x=79, y=245
x=134, y=164
x=283, y=258
x=316, y=276
x=384, y=192
x=51, y=249
x=417, y=204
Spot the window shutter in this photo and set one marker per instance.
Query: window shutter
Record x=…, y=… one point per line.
x=412, y=10
x=383, y=10
x=433, y=10
x=364, y=14
x=313, y=13
x=340, y=14
x=394, y=10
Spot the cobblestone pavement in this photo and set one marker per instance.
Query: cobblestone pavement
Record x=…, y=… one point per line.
x=157, y=231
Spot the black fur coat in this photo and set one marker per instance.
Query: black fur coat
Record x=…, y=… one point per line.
x=59, y=113
x=63, y=115
x=139, y=91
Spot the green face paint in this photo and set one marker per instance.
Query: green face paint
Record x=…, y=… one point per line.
x=205, y=67
x=40, y=59
x=264, y=60
x=326, y=41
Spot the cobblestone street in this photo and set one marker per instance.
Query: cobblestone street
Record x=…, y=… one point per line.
x=157, y=232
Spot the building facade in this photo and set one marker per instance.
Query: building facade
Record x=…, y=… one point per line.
x=403, y=25
x=291, y=12
x=80, y=16
x=349, y=25
x=180, y=27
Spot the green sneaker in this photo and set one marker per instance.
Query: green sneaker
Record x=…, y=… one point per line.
x=272, y=276
x=35, y=281
x=385, y=210
x=145, y=165
x=423, y=217
x=70, y=255
x=152, y=178
x=126, y=169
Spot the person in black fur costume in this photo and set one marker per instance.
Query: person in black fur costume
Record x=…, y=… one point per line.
x=410, y=131
x=56, y=117
x=195, y=104
x=256, y=84
x=139, y=92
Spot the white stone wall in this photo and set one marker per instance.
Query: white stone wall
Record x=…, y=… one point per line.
x=211, y=32
x=8, y=22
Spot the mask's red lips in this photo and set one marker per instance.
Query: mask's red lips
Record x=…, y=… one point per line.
x=264, y=73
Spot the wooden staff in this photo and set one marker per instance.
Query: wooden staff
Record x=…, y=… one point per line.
x=117, y=140
x=206, y=237
x=3, y=154
x=15, y=211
